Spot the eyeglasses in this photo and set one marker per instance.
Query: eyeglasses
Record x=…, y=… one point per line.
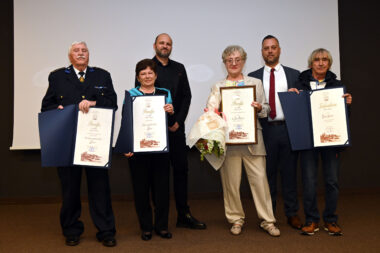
x=232, y=61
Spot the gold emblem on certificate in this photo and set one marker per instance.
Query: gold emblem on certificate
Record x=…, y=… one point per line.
x=240, y=115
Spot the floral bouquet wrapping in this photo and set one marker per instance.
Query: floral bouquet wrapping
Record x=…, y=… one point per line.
x=208, y=135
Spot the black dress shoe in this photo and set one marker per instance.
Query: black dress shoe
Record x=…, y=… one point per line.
x=146, y=236
x=188, y=221
x=72, y=240
x=164, y=234
x=108, y=241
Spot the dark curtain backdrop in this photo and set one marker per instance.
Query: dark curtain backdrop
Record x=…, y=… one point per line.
x=22, y=177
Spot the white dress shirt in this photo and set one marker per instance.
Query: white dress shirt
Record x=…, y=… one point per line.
x=281, y=85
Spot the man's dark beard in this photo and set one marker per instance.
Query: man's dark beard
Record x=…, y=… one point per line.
x=163, y=55
x=275, y=60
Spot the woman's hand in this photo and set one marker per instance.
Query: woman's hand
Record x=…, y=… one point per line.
x=128, y=154
x=348, y=98
x=169, y=109
x=257, y=105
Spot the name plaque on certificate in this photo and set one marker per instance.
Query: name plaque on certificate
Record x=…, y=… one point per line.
x=144, y=127
x=241, y=116
x=316, y=118
x=93, y=138
x=69, y=137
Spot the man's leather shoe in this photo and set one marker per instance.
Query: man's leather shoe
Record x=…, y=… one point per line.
x=164, y=234
x=108, y=241
x=72, y=240
x=310, y=228
x=332, y=228
x=188, y=221
x=295, y=222
x=146, y=236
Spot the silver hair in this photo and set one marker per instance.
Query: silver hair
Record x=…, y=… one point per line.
x=76, y=43
x=230, y=49
x=313, y=55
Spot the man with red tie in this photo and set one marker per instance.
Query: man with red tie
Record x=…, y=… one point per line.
x=280, y=157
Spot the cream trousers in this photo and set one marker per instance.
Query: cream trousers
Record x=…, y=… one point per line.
x=231, y=173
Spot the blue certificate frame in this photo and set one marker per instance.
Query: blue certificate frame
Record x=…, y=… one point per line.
x=58, y=138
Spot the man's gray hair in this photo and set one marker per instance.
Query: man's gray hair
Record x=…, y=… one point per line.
x=313, y=55
x=76, y=43
x=230, y=49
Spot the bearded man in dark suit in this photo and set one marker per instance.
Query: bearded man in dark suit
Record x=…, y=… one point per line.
x=278, y=78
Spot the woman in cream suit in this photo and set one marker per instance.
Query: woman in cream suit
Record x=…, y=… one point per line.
x=253, y=156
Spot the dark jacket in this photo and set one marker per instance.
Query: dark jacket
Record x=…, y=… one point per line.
x=306, y=76
x=66, y=89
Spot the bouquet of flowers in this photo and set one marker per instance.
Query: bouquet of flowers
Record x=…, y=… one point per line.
x=206, y=146
x=208, y=135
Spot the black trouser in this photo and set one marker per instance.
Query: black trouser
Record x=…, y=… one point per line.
x=99, y=200
x=178, y=159
x=280, y=157
x=150, y=176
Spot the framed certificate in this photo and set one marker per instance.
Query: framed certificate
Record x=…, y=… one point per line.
x=241, y=116
x=144, y=127
x=316, y=118
x=94, y=138
x=69, y=137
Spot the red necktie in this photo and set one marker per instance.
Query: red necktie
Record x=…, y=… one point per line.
x=272, y=97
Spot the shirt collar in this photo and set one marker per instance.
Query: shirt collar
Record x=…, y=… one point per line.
x=159, y=63
x=276, y=68
x=77, y=71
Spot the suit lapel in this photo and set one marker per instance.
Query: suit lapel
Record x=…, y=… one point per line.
x=290, y=78
x=262, y=75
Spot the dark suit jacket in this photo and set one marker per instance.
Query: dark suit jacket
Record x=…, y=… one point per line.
x=291, y=77
x=65, y=88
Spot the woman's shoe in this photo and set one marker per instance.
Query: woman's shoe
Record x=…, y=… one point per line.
x=146, y=236
x=164, y=234
x=236, y=229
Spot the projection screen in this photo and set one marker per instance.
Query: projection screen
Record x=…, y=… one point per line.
x=119, y=33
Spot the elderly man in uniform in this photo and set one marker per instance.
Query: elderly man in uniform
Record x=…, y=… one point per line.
x=86, y=86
